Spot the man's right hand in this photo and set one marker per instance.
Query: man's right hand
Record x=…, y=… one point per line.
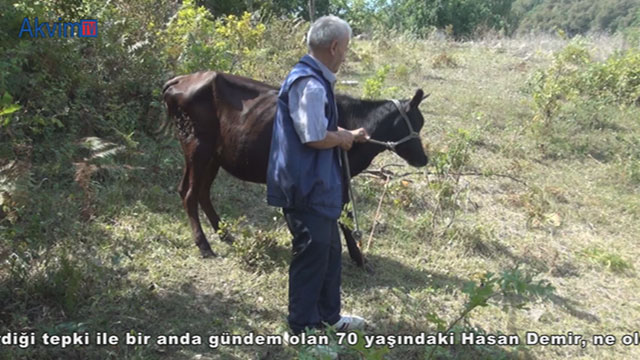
x=349, y=136
x=342, y=138
x=346, y=139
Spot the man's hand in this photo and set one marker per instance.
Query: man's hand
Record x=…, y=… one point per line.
x=349, y=136
x=360, y=135
x=343, y=138
x=346, y=139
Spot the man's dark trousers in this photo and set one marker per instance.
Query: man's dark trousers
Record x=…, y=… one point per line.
x=315, y=270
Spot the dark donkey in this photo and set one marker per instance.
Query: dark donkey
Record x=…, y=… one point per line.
x=226, y=121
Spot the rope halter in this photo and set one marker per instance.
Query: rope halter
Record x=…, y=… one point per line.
x=391, y=145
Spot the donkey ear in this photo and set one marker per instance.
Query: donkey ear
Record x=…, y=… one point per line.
x=417, y=98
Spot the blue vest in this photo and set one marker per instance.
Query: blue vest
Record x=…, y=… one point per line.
x=299, y=176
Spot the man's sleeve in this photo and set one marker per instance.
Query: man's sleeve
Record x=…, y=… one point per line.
x=307, y=99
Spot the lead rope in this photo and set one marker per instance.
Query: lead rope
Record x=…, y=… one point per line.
x=391, y=145
x=357, y=234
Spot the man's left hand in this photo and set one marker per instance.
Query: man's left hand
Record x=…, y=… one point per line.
x=360, y=135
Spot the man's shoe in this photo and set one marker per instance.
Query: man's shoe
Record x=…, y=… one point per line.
x=349, y=323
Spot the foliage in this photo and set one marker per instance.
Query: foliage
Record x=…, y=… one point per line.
x=282, y=46
x=419, y=17
x=99, y=161
x=575, y=17
x=468, y=18
x=577, y=96
x=256, y=250
x=512, y=288
x=464, y=17
x=455, y=155
x=364, y=16
x=560, y=81
x=278, y=8
x=373, y=86
x=196, y=41
x=56, y=91
x=7, y=107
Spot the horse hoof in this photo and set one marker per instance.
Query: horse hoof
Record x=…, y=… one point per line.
x=207, y=254
x=359, y=259
x=369, y=268
x=227, y=237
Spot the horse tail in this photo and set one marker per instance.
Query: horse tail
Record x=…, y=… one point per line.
x=163, y=113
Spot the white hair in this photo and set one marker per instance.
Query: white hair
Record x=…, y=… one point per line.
x=326, y=29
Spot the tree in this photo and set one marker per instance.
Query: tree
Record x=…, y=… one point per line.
x=312, y=10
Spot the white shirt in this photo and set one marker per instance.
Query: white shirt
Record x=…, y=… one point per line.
x=307, y=99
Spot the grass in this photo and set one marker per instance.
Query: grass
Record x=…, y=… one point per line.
x=609, y=260
x=572, y=220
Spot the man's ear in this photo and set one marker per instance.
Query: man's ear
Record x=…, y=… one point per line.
x=334, y=47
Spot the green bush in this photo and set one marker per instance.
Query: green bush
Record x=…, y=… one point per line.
x=456, y=154
x=195, y=41
x=463, y=17
x=575, y=17
x=581, y=103
x=255, y=249
x=373, y=86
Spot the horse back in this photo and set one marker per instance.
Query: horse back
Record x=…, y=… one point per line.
x=229, y=116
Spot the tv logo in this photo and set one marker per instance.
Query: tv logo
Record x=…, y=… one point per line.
x=84, y=28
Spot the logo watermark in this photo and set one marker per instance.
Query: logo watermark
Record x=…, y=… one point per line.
x=83, y=29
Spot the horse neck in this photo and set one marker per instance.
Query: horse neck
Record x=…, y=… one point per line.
x=367, y=114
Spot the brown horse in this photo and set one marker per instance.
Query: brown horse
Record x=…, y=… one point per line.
x=226, y=121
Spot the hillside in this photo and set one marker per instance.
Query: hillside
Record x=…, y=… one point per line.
x=576, y=16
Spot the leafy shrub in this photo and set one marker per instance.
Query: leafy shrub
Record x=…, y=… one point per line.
x=281, y=46
x=256, y=249
x=7, y=107
x=573, y=75
x=513, y=288
x=462, y=16
x=455, y=155
x=196, y=41
x=580, y=103
x=373, y=86
x=585, y=15
x=560, y=81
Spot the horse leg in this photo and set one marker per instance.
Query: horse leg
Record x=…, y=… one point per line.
x=352, y=245
x=184, y=183
x=194, y=174
x=205, y=200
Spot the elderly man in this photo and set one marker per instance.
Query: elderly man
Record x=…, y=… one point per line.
x=304, y=177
